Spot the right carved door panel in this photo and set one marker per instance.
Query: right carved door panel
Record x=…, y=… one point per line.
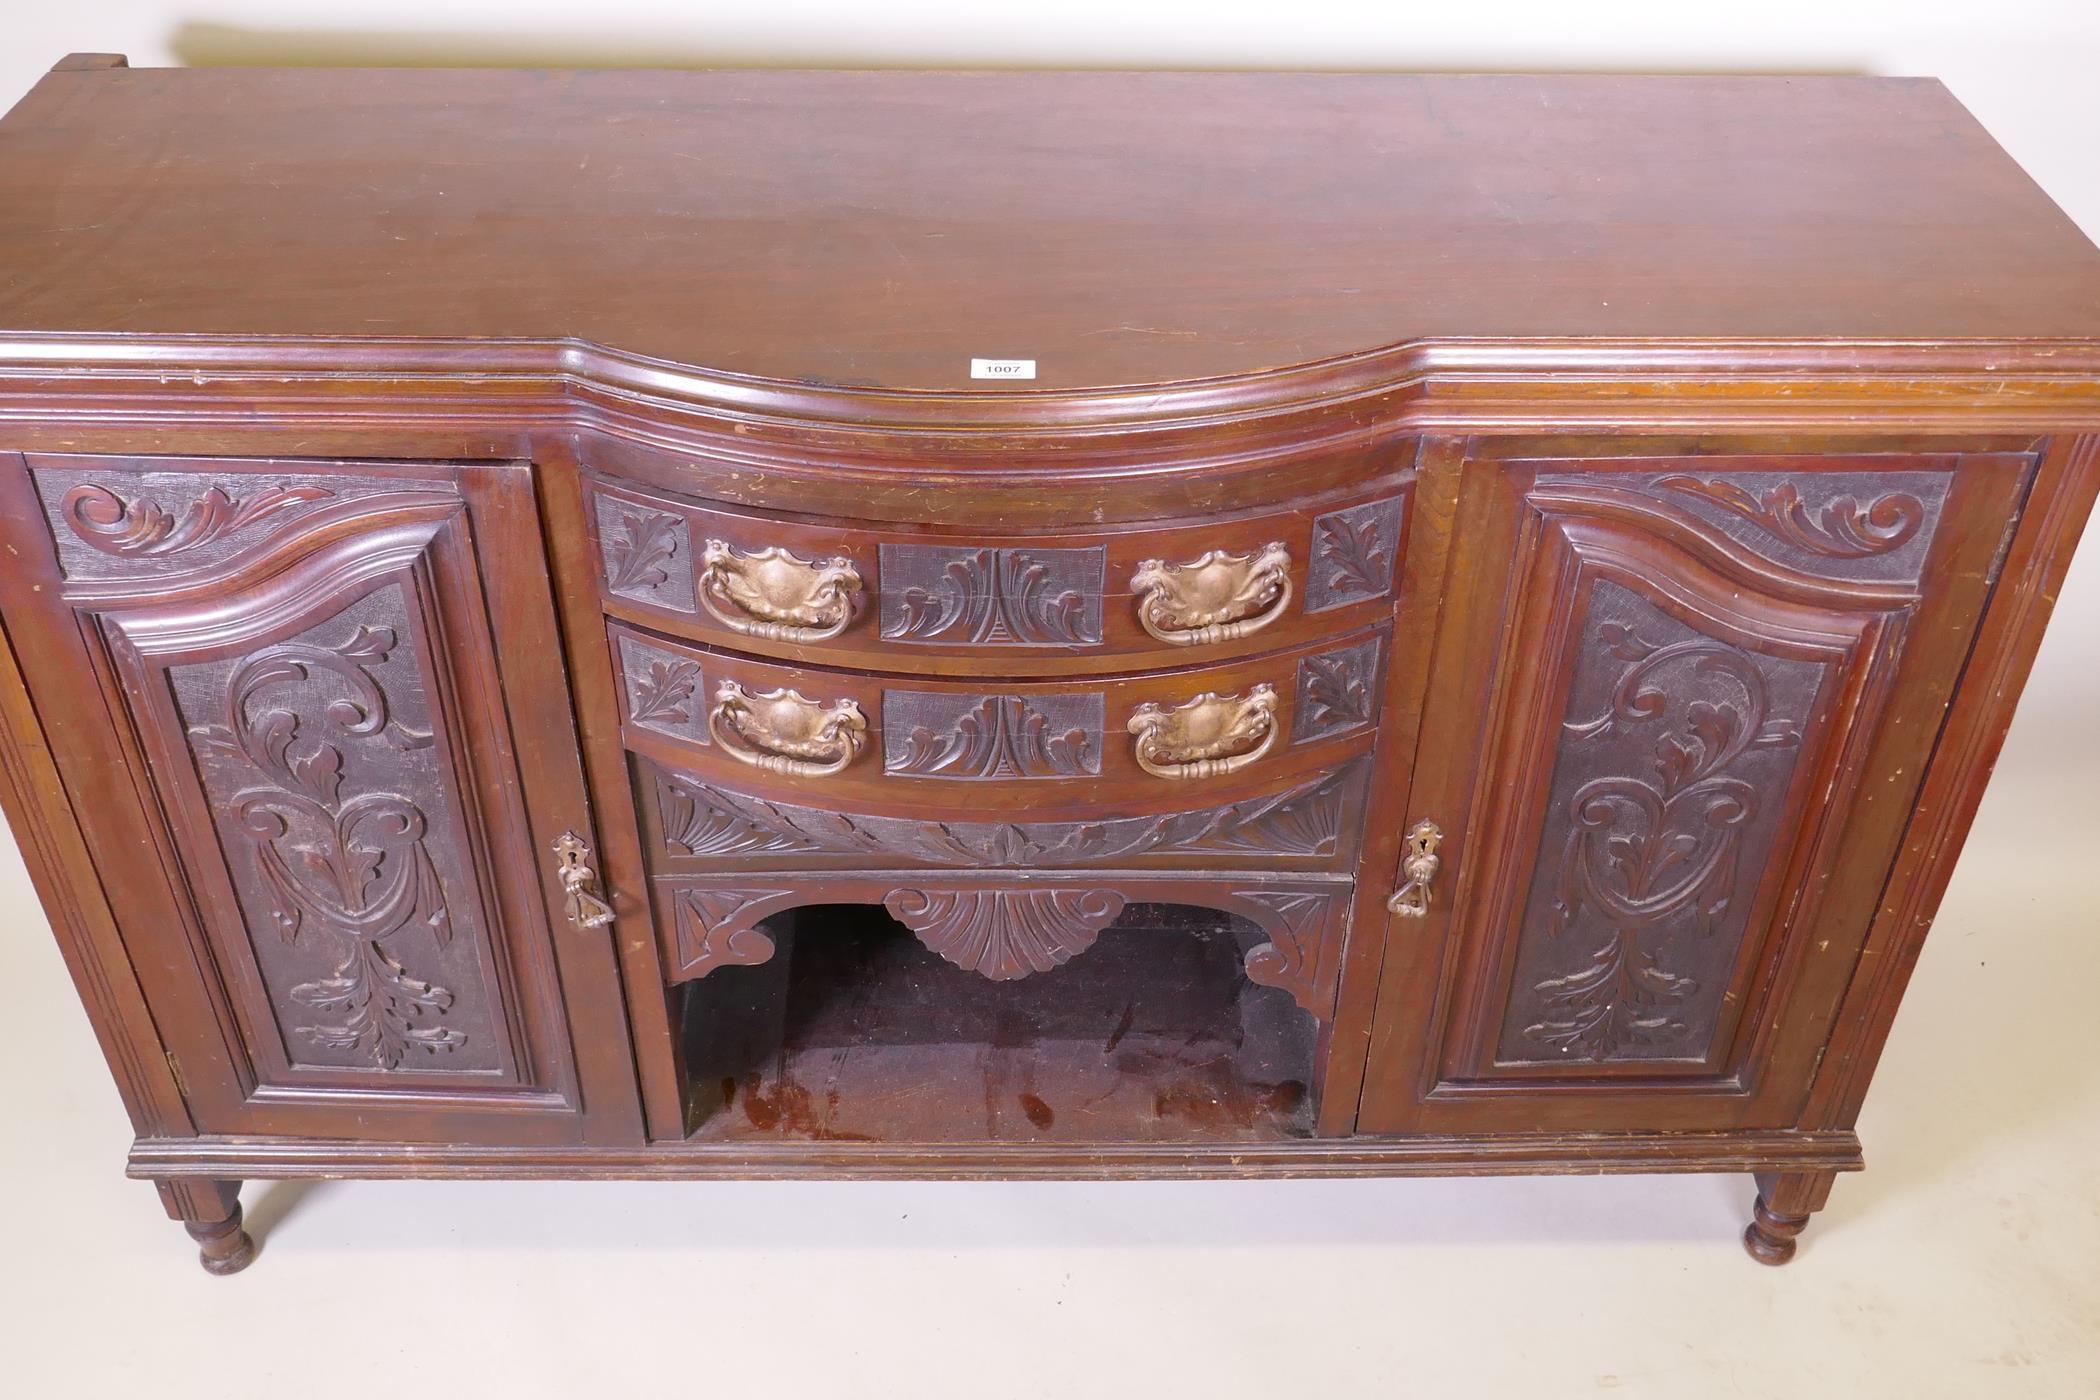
x=1677, y=710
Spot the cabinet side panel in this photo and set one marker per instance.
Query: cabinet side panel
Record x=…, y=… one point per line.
x=2065, y=487
x=41, y=815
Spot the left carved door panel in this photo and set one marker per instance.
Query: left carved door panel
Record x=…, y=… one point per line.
x=316, y=678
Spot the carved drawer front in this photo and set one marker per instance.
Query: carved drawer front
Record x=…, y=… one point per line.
x=1681, y=747
x=1169, y=741
x=1007, y=929
x=693, y=824
x=1013, y=605
x=311, y=679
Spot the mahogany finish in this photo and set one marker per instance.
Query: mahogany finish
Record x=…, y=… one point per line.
x=528, y=655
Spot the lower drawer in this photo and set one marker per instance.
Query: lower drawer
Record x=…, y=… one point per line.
x=1099, y=747
x=694, y=824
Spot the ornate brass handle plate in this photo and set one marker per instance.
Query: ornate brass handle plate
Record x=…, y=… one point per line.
x=1419, y=865
x=586, y=909
x=1207, y=736
x=1217, y=598
x=784, y=731
x=776, y=595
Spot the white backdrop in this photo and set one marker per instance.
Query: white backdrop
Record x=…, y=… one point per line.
x=1966, y=1250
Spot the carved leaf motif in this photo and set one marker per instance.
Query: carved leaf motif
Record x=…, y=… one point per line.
x=354, y=868
x=1334, y=692
x=1619, y=998
x=140, y=526
x=1005, y=933
x=1642, y=850
x=1002, y=736
x=1291, y=959
x=1302, y=821
x=639, y=549
x=700, y=820
x=1353, y=554
x=703, y=820
x=715, y=929
x=991, y=597
x=661, y=694
x=377, y=1002
x=1840, y=530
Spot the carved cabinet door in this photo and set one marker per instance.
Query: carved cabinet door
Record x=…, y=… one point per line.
x=1676, y=716
x=315, y=722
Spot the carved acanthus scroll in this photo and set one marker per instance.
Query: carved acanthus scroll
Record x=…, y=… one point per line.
x=119, y=525
x=1840, y=529
x=1304, y=820
x=1646, y=852
x=992, y=597
x=343, y=861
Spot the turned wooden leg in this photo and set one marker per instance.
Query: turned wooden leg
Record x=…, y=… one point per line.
x=211, y=1212
x=1785, y=1200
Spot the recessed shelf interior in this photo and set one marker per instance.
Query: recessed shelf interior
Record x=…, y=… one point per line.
x=855, y=1031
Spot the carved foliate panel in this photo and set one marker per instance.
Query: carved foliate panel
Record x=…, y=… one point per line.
x=1676, y=752
x=341, y=829
x=1870, y=526
x=1303, y=821
x=718, y=927
x=938, y=734
x=1022, y=926
x=1337, y=692
x=146, y=524
x=985, y=596
x=647, y=554
x=1353, y=554
x=1303, y=951
x=665, y=690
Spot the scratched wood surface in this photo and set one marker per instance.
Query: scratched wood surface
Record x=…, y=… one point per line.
x=883, y=228
x=856, y=1033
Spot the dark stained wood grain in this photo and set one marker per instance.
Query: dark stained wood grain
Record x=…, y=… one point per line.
x=881, y=229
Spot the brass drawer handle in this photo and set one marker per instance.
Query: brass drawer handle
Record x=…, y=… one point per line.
x=784, y=731
x=1419, y=865
x=586, y=909
x=1207, y=736
x=776, y=595
x=1218, y=598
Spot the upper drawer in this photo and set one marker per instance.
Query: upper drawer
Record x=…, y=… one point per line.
x=892, y=598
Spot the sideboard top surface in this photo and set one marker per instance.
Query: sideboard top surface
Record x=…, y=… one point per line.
x=882, y=229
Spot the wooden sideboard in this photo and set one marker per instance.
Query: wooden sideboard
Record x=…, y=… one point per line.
x=795, y=624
